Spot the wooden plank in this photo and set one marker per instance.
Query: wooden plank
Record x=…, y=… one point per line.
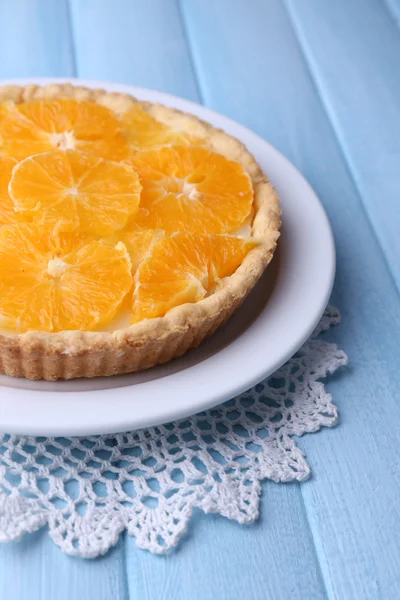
x=131, y=41
x=35, y=39
x=358, y=79
x=351, y=502
x=273, y=559
x=35, y=569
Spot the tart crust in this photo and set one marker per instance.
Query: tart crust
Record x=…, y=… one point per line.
x=71, y=354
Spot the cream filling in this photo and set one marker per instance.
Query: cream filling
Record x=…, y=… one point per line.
x=244, y=230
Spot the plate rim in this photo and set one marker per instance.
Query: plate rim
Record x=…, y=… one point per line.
x=133, y=422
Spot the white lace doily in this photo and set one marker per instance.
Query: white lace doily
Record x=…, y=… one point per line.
x=88, y=490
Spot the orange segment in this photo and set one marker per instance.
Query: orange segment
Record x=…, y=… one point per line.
x=143, y=131
x=183, y=268
x=8, y=214
x=58, y=282
x=192, y=188
x=63, y=123
x=71, y=190
x=138, y=242
x=5, y=108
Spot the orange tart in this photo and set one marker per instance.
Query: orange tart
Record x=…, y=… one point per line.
x=129, y=231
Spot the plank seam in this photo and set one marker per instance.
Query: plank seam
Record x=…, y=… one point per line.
x=316, y=554
x=192, y=61
x=337, y=136
x=127, y=594
x=70, y=25
x=393, y=12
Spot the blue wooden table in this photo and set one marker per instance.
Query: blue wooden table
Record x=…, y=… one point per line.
x=320, y=79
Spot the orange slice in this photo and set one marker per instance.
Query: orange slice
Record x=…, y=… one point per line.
x=8, y=214
x=192, y=188
x=143, y=131
x=5, y=108
x=58, y=282
x=184, y=268
x=63, y=123
x=74, y=191
x=138, y=242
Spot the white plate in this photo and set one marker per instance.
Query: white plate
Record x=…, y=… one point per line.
x=269, y=328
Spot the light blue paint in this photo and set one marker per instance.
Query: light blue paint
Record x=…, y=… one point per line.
x=35, y=39
x=320, y=80
x=363, y=102
x=133, y=41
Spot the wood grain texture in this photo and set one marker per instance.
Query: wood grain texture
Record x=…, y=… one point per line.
x=319, y=80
